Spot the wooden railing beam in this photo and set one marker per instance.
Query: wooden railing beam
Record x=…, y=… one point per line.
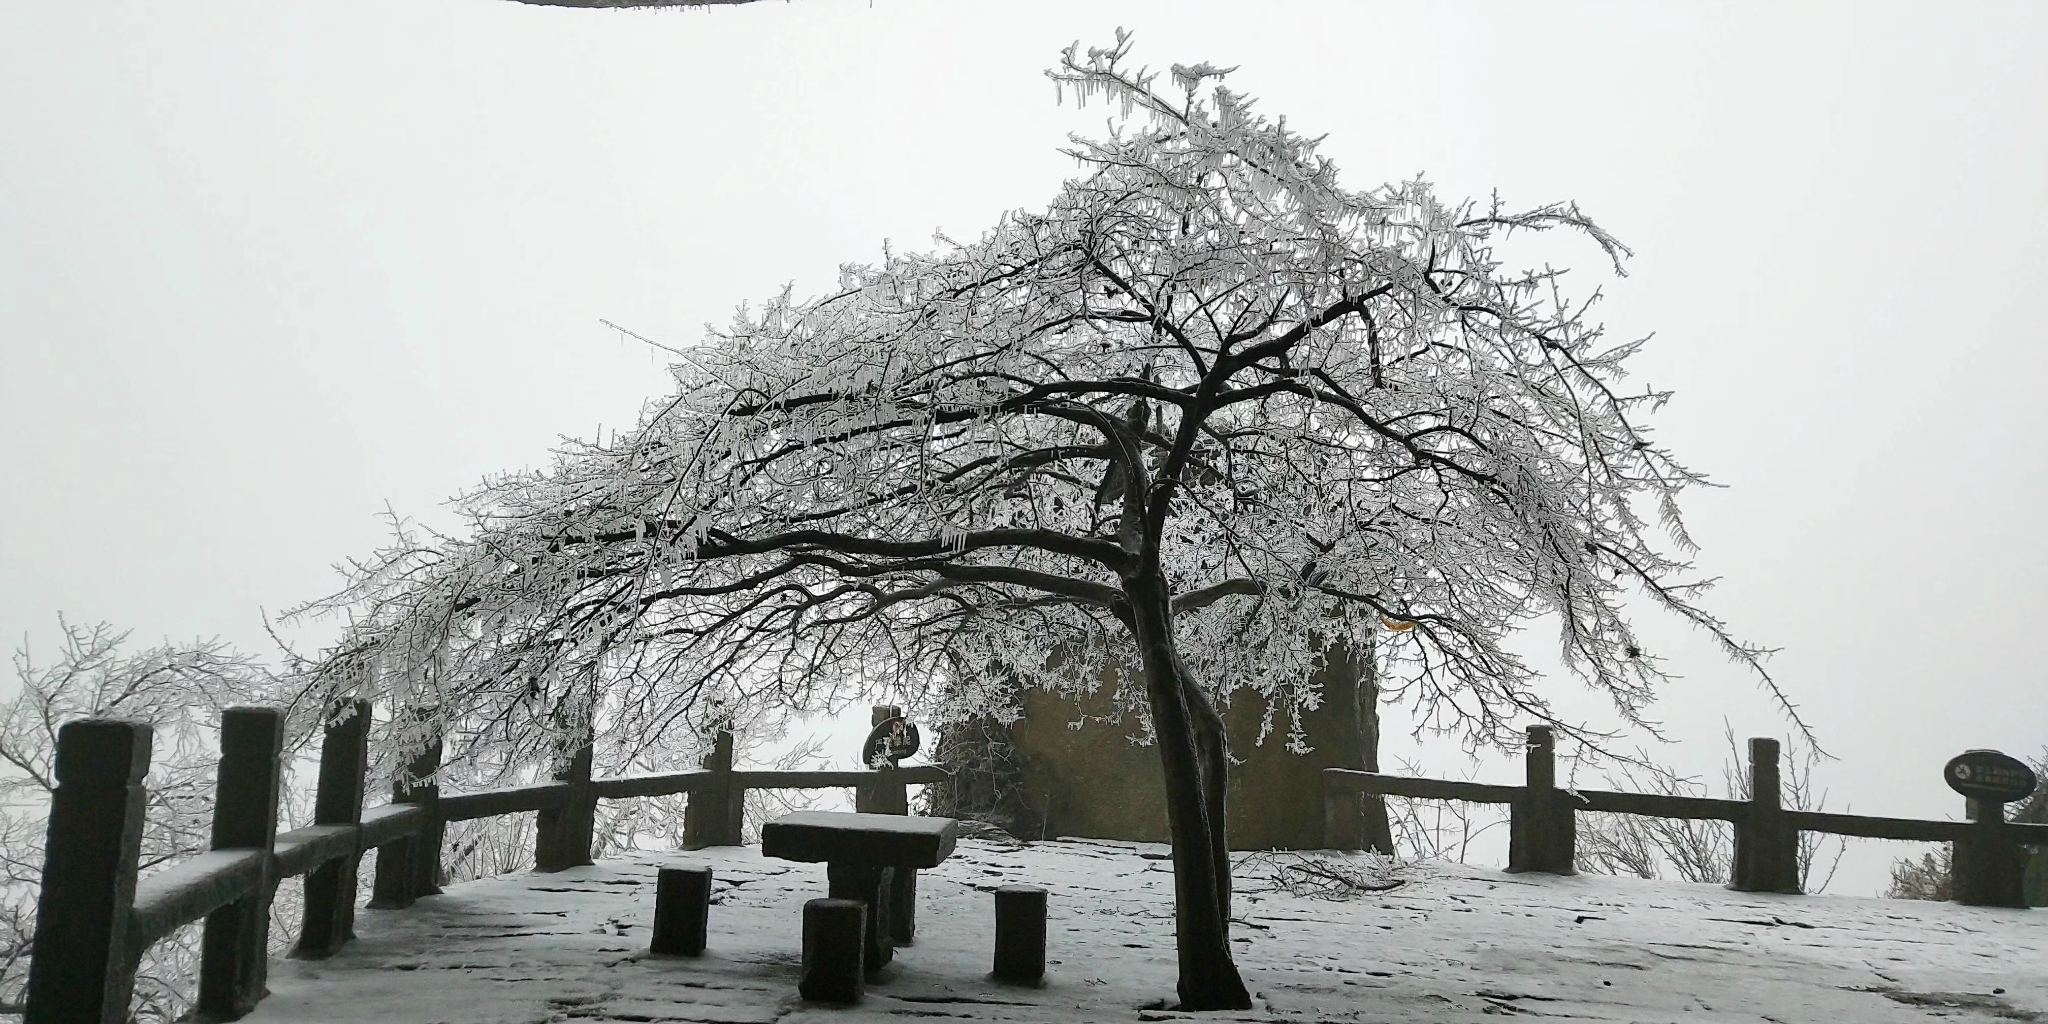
x=303, y=849
x=189, y=890
x=916, y=775
x=388, y=824
x=1657, y=805
x=1420, y=789
x=1868, y=827
x=652, y=785
x=493, y=802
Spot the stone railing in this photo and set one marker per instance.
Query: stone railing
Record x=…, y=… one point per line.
x=1989, y=861
x=94, y=918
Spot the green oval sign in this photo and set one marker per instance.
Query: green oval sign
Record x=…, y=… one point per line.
x=1990, y=775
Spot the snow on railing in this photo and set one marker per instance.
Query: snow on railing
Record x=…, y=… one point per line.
x=1989, y=862
x=94, y=919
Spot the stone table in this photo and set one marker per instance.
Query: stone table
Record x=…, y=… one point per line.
x=868, y=857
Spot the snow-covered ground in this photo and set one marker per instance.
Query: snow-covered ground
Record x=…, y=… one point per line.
x=1452, y=943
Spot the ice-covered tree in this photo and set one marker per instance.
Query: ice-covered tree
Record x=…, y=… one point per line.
x=1206, y=413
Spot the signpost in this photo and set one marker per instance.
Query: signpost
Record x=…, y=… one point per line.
x=1989, y=868
x=1990, y=776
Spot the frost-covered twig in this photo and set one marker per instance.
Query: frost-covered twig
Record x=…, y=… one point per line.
x=1321, y=876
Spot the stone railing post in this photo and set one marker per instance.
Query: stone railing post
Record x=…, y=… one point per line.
x=1766, y=846
x=411, y=867
x=885, y=795
x=888, y=794
x=714, y=814
x=1542, y=829
x=234, y=951
x=563, y=834
x=1343, y=816
x=79, y=968
x=330, y=911
x=1988, y=867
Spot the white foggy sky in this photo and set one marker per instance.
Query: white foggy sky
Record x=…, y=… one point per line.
x=265, y=267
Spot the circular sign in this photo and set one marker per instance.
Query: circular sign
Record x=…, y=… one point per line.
x=890, y=742
x=1990, y=775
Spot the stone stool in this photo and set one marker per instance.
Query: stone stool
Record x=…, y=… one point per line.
x=682, y=906
x=1020, y=934
x=835, y=937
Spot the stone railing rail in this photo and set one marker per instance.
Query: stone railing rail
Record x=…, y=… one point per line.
x=95, y=919
x=1989, y=861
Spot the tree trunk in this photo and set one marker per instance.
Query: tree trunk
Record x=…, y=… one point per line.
x=1195, y=777
x=1213, y=758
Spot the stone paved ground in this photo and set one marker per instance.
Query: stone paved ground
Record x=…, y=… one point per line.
x=1451, y=944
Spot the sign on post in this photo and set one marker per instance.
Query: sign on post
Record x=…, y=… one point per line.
x=1990, y=776
x=893, y=739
